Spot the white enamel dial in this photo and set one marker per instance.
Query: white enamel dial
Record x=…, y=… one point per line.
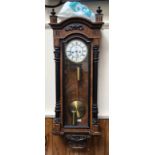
x=76, y=51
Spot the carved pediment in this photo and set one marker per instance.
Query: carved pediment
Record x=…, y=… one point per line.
x=75, y=26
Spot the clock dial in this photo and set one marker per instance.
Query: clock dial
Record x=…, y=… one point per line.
x=76, y=51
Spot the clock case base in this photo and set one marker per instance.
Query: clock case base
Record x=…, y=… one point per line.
x=76, y=140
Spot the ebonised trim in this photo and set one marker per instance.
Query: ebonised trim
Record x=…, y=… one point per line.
x=95, y=83
x=57, y=74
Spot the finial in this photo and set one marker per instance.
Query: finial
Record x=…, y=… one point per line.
x=99, y=15
x=53, y=12
x=99, y=10
x=53, y=17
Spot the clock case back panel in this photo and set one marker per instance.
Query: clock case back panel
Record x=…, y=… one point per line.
x=71, y=85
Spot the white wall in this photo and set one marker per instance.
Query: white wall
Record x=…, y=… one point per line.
x=103, y=77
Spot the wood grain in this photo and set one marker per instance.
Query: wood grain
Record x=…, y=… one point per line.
x=48, y=137
x=56, y=145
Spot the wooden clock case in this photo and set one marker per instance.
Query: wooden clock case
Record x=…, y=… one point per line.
x=89, y=32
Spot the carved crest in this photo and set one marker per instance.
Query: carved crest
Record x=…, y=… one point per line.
x=74, y=26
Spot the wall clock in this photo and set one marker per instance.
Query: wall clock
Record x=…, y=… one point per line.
x=76, y=44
